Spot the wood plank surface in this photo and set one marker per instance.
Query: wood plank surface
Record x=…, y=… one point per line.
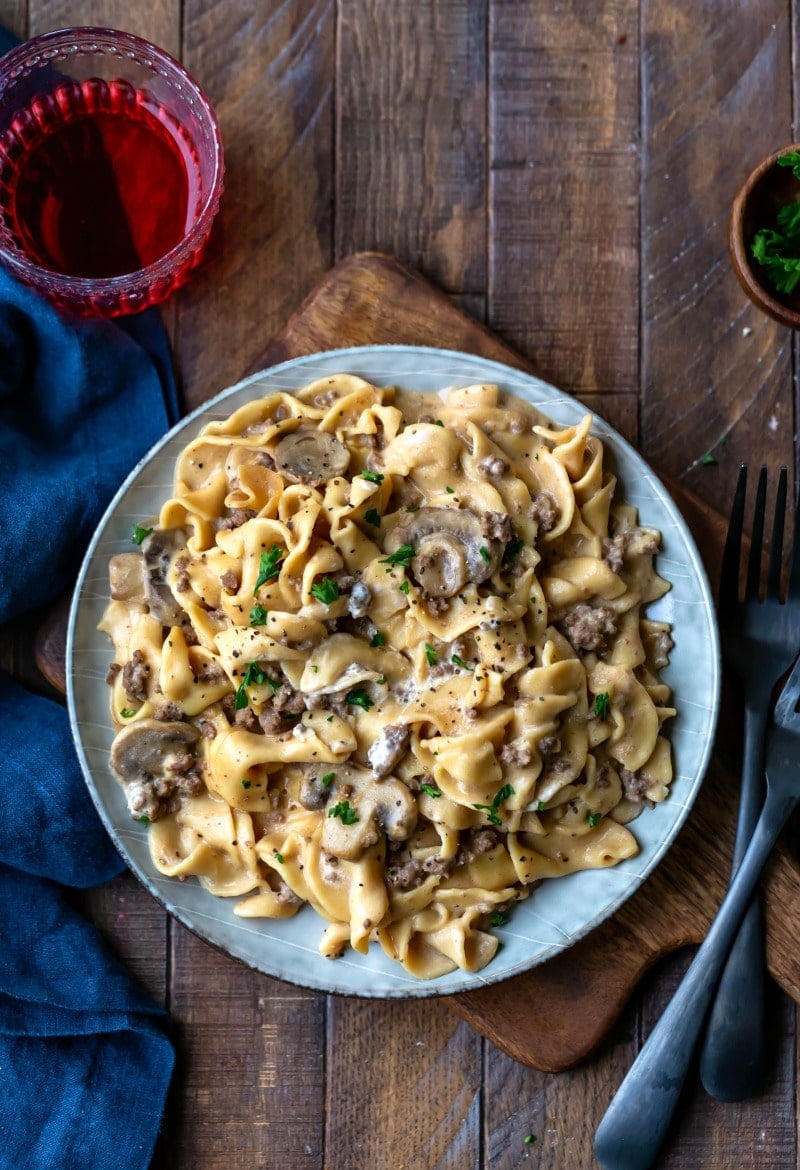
x=411, y=136
x=563, y=201
x=716, y=373
x=564, y=170
x=268, y=70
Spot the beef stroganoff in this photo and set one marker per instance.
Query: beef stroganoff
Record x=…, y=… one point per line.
x=386, y=653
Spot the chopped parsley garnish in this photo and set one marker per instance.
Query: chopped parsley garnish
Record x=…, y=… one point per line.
x=431, y=789
x=401, y=556
x=531, y=1137
x=382, y=681
x=245, y=784
x=143, y=820
x=459, y=661
x=373, y=517
x=279, y=858
x=512, y=550
x=140, y=533
x=127, y=712
x=540, y=806
x=499, y=918
x=492, y=810
x=258, y=615
x=777, y=249
x=430, y=654
x=438, y=422
x=344, y=811
x=487, y=556
x=253, y=675
x=378, y=639
x=601, y=702
x=594, y=820
x=327, y=779
x=326, y=591
x=372, y=476
x=708, y=460
x=358, y=697
x=449, y=490
x=269, y=566
x=405, y=587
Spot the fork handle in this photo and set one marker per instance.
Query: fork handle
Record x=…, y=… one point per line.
x=630, y=1135
x=733, y=1062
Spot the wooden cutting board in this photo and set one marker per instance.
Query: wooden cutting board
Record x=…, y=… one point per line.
x=555, y=1015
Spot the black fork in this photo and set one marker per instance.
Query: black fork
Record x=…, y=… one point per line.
x=760, y=640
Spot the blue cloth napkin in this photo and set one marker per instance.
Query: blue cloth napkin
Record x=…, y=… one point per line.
x=85, y=1054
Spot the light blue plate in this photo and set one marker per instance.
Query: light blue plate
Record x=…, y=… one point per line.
x=559, y=912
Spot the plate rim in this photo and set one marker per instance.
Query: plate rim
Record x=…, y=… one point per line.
x=459, y=982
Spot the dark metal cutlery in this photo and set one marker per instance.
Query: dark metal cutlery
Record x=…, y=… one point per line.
x=760, y=640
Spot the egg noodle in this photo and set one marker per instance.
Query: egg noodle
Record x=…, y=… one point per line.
x=385, y=653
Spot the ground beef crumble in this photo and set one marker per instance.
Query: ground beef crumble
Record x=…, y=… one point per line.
x=614, y=551
x=516, y=755
x=544, y=511
x=633, y=785
x=497, y=526
x=167, y=712
x=590, y=627
x=135, y=674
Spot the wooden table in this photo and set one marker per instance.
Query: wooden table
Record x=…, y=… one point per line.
x=564, y=172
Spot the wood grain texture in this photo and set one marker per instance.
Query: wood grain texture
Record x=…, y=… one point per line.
x=716, y=373
x=272, y=241
x=564, y=114
x=251, y=1065
x=411, y=135
x=152, y=19
x=429, y=1057
x=14, y=16
x=365, y=300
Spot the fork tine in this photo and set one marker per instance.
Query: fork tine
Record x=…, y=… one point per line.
x=776, y=548
x=788, y=698
x=793, y=593
x=757, y=538
x=729, y=578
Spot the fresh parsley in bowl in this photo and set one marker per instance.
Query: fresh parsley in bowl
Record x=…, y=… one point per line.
x=764, y=236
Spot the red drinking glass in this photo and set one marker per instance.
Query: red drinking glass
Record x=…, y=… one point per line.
x=111, y=170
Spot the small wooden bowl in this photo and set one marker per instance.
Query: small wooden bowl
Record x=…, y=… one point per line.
x=756, y=205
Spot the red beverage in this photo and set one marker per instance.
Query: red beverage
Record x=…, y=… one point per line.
x=96, y=179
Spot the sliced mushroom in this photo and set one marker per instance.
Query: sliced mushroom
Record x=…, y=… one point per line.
x=450, y=548
x=126, y=577
x=159, y=549
x=310, y=456
x=153, y=761
x=380, y=806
